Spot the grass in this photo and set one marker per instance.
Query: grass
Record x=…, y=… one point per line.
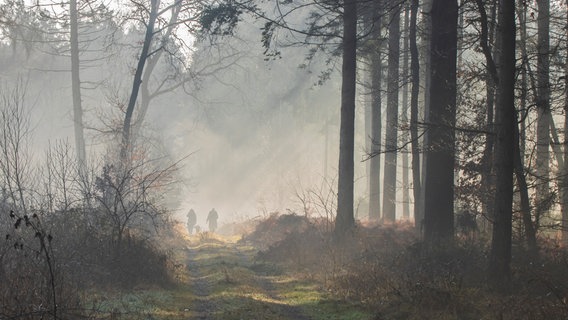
x=224, y=279
x=141, y=304
x=237, y=288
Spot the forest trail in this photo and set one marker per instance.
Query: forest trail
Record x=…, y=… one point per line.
x=222, y=279
x=227, y=283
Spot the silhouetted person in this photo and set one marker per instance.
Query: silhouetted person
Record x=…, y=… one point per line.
x=212, y=219
x=191, y=221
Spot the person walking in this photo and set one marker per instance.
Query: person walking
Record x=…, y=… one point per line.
x=212, y=219
x=191, y=221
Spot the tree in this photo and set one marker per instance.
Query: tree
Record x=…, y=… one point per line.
x=126, y=138
x=391, y=137
x=543, y=201
x=21, y=27
x=66, y=38
x=164, y=85
x=564, y=182
x=129, y=197
x=439, y=179
x=376, y=109
x=76, y=86
x=486, y=41
x=520, y=140
x=500, y=255
x=425, y=82
x=15, y=135
x=415, y=90
x=161, y=37
x=345, y=220
x=404, y=119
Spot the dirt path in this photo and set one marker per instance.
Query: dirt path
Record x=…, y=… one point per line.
x=266, y=283
x=218, y=279
x=226, y=283
x=201, y=287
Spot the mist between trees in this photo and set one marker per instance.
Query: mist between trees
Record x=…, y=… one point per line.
x=118, y=117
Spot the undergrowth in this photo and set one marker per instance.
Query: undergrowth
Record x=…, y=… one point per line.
x=386, y=269
x=58, y=259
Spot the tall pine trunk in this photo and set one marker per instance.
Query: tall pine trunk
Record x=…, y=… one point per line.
x=345, y=220
x=404, y=120
x=439, y=182
x=76, y=88
x=376, y=119
x=543, y=107
x=391, y=135
x=525, y=207
x=415, y=90
x=426, y=82
x=487, y=41
x=564, y=178
x=500, y=256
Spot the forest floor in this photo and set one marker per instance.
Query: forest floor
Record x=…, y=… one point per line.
x=220, y=278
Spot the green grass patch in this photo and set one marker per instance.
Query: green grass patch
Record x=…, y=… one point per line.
x=141, y=304
x=233, y=286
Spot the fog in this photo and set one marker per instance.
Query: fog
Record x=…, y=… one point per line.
x=256, y=131
x=251, y=132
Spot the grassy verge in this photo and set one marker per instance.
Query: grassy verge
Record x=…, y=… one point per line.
x=221, y=280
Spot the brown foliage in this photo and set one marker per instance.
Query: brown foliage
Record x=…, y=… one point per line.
x=386, y=269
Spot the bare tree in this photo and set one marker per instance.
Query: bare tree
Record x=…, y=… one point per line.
x=159, y=31
x=129, y=197
x=15, y=135
x=149, y=35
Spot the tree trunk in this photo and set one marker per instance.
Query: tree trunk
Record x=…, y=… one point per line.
x=526, y=211
x=376, y=121
x=146, y=96
x=391, y=137
x=524, y=194
x=499, y=269
x=415, y=78
x=564, y=178
x=522, y=14
x=426, y=83
x=543, y=107
x=486, y=43
x=76, y=88
x=345, y=220
x=439, y=183
x=404, y=120
x=126, y=137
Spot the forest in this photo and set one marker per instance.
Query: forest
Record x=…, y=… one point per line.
x=368, y=159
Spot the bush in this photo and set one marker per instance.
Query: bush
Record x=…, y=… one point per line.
x=386, y=269
x=75, y=257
